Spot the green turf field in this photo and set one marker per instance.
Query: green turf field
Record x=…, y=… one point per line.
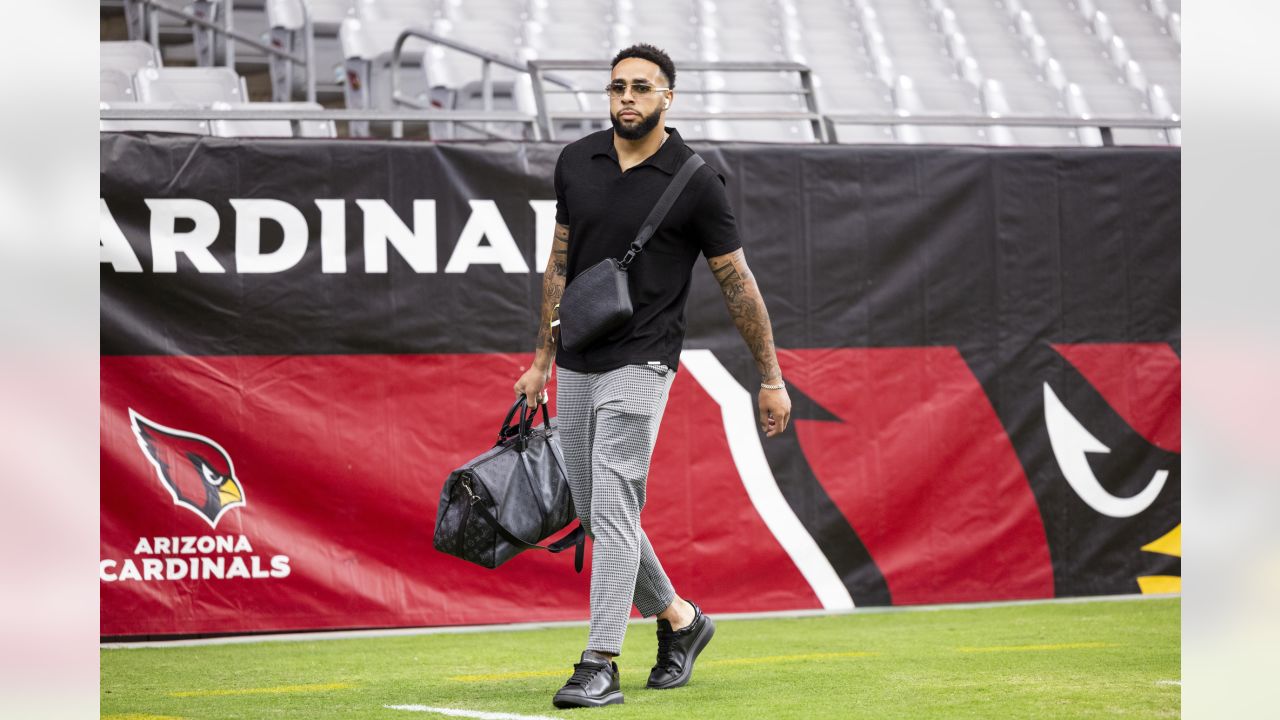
x=1113, y=659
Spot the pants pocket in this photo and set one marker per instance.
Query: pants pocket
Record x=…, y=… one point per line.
x=659, y=369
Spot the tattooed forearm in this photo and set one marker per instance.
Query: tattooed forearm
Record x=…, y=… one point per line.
x=553, y=280
x=746, y=307
x=559, y=263
x=732, y=284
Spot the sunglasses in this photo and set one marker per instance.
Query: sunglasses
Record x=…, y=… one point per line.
x=618, y=88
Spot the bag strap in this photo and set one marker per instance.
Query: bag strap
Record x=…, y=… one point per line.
x=576, y=537
x=520, y=404
x=659, y=211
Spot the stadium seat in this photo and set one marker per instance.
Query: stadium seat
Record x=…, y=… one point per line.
x=503, y=37
x=577, y=39
x=411, y=13
x=128, y=56
x=505, y=96
x=249, y=18
x=285, y=25
x=1078, y=107
x=115, y=86
x=997, y=101
x=1144, y=30
x=171, y=30
x=271, y=128
x=1162, y=107
x=367, y=47
x=482, y=10
x=908, y=100
x=190, y=85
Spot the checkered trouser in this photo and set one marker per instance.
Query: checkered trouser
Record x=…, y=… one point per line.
x=608, y=424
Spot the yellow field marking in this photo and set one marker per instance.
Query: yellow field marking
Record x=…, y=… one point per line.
x=277, y=690
x=788, y=658
x=508, y=676
x=1024, y=648
x=727, y=661
x=140, y=716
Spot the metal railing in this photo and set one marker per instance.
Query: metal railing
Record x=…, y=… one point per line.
x=297, y=116
x=227, y=30
x=425, y=115
x=812, y=115
x=487, y=61
x=138, y=112
x=1104, y=124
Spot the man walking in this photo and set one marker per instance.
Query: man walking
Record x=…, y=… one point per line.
x=612, y=394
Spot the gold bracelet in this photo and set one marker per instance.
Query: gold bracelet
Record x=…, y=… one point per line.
x=779, y=386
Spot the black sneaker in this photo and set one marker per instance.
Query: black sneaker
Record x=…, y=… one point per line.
x=678, y=649
x=594, y=683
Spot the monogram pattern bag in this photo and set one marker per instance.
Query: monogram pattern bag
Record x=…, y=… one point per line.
x=511, y=497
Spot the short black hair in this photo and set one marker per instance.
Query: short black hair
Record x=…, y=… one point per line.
x=655, y=55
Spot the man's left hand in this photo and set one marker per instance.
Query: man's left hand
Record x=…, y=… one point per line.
x=775, y=411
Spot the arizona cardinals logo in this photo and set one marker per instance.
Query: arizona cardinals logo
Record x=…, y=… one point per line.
x=195, y=470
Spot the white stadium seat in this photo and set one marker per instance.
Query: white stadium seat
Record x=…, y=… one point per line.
x=191, y=85
x=285, y=23
x=128, y=56
x=271, y=128
x=116, y=86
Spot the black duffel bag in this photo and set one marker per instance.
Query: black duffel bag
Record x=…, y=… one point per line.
x=511, y=497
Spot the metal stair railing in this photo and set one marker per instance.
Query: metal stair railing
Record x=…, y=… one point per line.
x=227, y=29
x=487, y=61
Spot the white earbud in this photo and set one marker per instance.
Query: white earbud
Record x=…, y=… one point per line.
x=666, y=104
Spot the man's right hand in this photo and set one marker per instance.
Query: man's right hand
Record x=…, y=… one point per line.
x=532, y=384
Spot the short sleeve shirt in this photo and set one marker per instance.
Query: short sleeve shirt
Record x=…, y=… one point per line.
x=604, y=207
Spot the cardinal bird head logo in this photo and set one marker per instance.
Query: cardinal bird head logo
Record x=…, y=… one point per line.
x=195, y=470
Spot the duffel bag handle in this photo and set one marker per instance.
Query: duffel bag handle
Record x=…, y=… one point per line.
x=525, y=423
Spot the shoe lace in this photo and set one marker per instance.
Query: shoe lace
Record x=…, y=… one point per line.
x=584, y=672
x=666, y=639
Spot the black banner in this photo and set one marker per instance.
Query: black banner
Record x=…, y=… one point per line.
x=1051, y=275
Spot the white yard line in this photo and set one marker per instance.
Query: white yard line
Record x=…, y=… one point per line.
x=454, y=712
x=519, y=627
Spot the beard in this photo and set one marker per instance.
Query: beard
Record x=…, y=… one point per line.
x=635, y=131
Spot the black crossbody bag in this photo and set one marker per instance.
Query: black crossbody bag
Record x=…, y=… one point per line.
x=598, y=301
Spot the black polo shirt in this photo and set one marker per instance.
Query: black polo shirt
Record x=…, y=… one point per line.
x=604, y=208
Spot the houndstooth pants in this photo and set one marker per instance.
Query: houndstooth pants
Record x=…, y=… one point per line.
x=608, y=424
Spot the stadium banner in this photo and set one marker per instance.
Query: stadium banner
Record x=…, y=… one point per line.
x=301, y=339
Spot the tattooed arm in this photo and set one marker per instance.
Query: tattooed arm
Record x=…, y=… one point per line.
x=535, y=379
x=746, y=307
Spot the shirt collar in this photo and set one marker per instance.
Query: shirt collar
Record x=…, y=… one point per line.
x=666, y=159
